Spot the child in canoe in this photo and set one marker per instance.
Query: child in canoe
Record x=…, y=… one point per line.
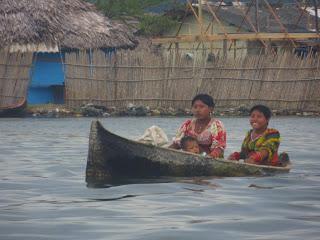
x=190, y=144
x=260, y=146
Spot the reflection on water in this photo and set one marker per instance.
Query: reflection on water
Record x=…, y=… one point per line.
x=114, y=199
x=44, y=194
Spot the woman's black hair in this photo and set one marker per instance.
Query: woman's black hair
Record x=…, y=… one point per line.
x=185, y=140
x=263, y=109
x=205, y=98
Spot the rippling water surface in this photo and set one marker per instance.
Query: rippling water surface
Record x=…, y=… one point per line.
x=43, y=194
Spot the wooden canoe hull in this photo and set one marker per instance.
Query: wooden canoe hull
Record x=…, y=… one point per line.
x=111, y=156
x=16, y=110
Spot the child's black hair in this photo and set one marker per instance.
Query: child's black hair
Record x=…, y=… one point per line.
x=185, y=140
x=205, y=98
x=263, y=109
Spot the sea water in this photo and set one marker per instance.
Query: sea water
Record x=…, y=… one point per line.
x=43, y=193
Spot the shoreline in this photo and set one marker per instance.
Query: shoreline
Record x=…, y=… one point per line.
x=131, y=110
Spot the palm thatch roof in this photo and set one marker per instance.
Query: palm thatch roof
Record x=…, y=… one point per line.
x=64, y=23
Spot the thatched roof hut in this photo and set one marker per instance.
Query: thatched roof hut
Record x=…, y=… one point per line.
x=47, y=25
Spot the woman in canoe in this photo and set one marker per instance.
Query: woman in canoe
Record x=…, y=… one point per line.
x=208, y=131
x=260, y=146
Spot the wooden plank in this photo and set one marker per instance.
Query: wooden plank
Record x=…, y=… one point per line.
x=237, y=36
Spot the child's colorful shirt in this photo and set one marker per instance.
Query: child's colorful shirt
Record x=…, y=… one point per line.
x=269, y=141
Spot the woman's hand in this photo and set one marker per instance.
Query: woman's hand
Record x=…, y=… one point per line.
x=234, y=156
x=250, y=160
x=216, y=153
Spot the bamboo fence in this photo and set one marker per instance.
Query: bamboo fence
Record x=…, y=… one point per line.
x=14, y=77
x=171, y=79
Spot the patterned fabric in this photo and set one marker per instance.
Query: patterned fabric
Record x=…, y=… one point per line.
x=211, y=138
x=269, y=141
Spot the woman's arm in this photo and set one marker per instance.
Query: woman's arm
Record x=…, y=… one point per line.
x=216, y=153
x=219, y=139
x=174, y=146
x=180, y=133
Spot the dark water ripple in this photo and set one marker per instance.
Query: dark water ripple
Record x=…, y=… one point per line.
x=43, y=194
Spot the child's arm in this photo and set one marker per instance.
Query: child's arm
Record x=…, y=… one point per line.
x=257, y=157
x=244, y=152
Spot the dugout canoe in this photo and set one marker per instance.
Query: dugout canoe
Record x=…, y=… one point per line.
x=113, y=157
x=14, y=110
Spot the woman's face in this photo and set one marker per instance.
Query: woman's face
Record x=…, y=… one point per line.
x=258, y=121
x=201, y=110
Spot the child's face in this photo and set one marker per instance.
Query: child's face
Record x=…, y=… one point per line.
x=193, y=147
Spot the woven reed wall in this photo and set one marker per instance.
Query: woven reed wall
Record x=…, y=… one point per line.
x=284, y=81
x=14, y=77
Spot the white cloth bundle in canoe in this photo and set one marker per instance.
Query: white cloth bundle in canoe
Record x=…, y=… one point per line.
x=154, y=135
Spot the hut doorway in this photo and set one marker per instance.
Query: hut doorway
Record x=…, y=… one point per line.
x=47, y=79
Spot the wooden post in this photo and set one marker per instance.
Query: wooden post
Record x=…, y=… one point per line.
x=235, y=49
x=211, y=43
x=257, y=16
x=177, y=47
x=200, y=16
x=115, y=77
x=316, y=15
x=225, y=46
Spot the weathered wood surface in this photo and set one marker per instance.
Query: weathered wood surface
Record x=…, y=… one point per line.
x=111, y=156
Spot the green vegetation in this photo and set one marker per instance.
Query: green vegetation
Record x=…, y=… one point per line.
x=155, y=25
x=149, y=24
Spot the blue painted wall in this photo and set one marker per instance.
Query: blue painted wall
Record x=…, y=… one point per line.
x=47, y=77
x=40, y=95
